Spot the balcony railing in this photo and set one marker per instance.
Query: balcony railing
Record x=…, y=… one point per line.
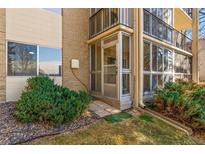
x=157, y=28
x=188, y=11
x=107, y=18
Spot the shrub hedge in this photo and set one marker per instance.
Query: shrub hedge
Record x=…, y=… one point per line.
x=184, y=101
x=44, y=101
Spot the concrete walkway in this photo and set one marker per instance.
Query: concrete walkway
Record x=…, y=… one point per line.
x=102, y=109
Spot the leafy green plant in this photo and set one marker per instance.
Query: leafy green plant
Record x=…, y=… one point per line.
x=44, y=101
x=183, y=100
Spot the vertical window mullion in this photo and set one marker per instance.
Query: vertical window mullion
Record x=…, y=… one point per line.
x=38, y=54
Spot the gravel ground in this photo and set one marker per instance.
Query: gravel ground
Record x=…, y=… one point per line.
x=14, y=132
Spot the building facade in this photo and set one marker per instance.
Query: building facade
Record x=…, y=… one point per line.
x=32, y=46
x=201, y=57
x=120, y=55
x=134, y=51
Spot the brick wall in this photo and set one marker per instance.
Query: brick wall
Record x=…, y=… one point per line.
x=2, y=57
x=75, y=35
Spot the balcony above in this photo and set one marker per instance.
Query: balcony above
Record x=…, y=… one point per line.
x=107, y=18
x=158, y=29
x=182, y=18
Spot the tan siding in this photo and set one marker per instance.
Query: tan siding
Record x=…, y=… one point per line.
x=2, y=57
x=35, y=26
x=75, y=36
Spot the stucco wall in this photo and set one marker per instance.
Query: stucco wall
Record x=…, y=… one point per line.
x=35, y=26
x=2, y=57
x=75, y=36
x=201, y=60
x=32, y=26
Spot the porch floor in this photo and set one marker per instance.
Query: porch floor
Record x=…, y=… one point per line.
x=102, y=109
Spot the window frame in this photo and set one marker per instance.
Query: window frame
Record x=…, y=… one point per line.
x=38, y=59
x=171, y=72
x=38, y=48
x=7, y=41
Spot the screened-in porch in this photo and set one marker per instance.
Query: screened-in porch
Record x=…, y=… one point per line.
x=110, y=69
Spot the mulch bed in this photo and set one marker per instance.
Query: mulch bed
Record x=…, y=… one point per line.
x=175, y=117
x=14, y=132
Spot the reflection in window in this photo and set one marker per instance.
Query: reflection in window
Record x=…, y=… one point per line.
x=157, y=81
x=114, y=15
x=125, y=83
x=168, y=78
x=154, y=58
x=160, y=59
x=49, y=61
x=154, y=82
x=110, y=62
x=146, y=84
x=125, y=52
x=106, y=18
x=146, y=56
x=177, y=63
x=168, y=60
x=22, y=59
x=96, y=67
x=147, y=18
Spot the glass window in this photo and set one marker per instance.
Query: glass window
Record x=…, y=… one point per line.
x=96, y=67
x=169, y=34
x=98, y=22
x=125, y=52
x=146, y=56
x=167, y=78
x=98, y=55
x=50, y=61
x=147, y=18
x=22, y=59
x=93, y=57
x=92, y=26
x=157, y=81
x=155, y=26
x=154, y=58
x=168, y=60
x=110, y=62
x=160, y=13
x=154, y=11
x=106, y=18
x=96, y=82
x=146, y=84
x=160, y=80
x=189, y=67
x=161, y=30
x=125, y=83
x=160, y=59
x=177, y=63
x=177, y=77
x=114, y=15
x=154, y=82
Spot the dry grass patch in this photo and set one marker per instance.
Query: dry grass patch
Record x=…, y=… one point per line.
x=144, y=129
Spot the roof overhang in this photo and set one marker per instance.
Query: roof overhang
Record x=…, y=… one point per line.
x=181, y=19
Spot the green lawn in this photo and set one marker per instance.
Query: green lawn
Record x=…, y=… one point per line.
x=144, y=129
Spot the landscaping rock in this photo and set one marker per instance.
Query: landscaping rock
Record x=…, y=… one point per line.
x=14, y=132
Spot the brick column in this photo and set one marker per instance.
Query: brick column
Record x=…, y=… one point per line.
x=2, y=57
x=75, y=36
